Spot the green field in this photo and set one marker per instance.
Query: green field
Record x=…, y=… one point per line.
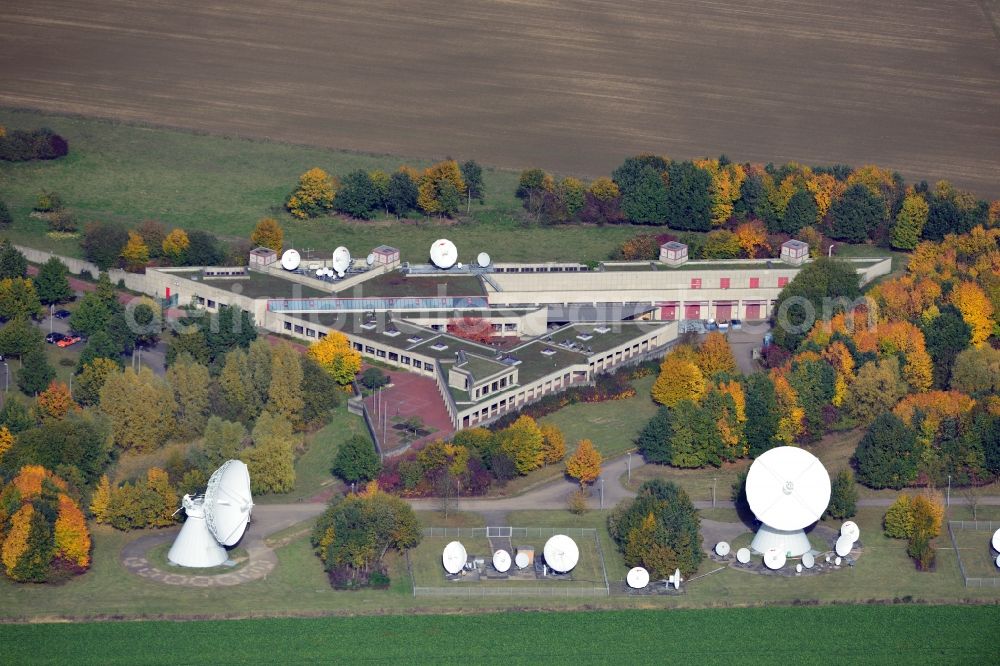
x=128, y=173
x=840, y=634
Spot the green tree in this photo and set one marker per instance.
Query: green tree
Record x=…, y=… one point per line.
x=813, y=381
x=12, y=262
x=320, y=394
x=92, y=375
x=80, y=440
x=898, y=520
x=946, y=335
x=888, y=455
x=646, y=201
x=762, y=413
x=822, y=288
x=18, y=337
x=689, y=199
x=801, y=212
x=843, y=496
x=284, y=396
x=5, y=217
x=695, y=441
x=876, y=389
x=374, y=378
x=236, y=385
x=401, y=196
x=52, y=282
x=977, y=372
x=192, y=343
x=15, y=415
x=92, y=315
x=654, y=439
x=910, y=222
x=721, y=244
x=856, y=214
x=357, y=196
x=102, y=244
x=356, y=460
x=753, y=203
x=271, y=458
x=472, y=174
x=524, y=443
x=189, y=381
x=140, y=408
x=35, y=373
x=18, y=298
x=203, y=249
x=222, y=441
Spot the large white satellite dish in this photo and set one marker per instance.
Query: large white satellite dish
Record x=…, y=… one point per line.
x=722, y=549
x=290, y=260
x=561, y=553
x=444, y=254
x=743, y=556
x=996, y=540
x=774, y=558
x=637, y=578
x=501, y=561
x=788, y=489
x=341, y=260
x=483, y=260
x=808, y=560
x=850, y=530
x=522, y=560
x=214, y=520
x=454, y=557
x=844, y=545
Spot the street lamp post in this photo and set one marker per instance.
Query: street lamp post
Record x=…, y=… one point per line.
x=50, y=319
x=948, y=500
x=6, y=385
x=602, y=492
x=714, y=479
x=630, y=467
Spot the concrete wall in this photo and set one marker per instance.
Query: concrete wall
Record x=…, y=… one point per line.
x=133, y=281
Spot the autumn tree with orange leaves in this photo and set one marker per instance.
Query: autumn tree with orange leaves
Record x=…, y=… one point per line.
x=585, y=463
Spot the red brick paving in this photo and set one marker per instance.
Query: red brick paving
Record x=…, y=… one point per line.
x=410, y=395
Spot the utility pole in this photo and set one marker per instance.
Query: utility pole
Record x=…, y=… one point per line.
x=630, y=467
x=714, y=479
x=948, y=501
x=602, y=492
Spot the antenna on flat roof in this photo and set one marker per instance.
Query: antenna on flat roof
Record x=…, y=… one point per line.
x=290, y=259
x=341, y=260
x=483, y=260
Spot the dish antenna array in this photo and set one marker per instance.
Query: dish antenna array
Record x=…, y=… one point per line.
x=743, y=556
x=290, y=259
x=483, y=260
x=808, y=560
x=444, y=254
x=722, y=549
x=637, y=578
x=788, y=489
x=454, y=557
x=522, y=560
x=774, y=559
x=216, y=519
x=501, y=561
x=561, y=553
x=341, y=260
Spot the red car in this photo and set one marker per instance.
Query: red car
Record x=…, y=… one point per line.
x=68, y=341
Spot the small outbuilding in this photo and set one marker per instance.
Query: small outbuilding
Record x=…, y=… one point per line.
x=262, y=257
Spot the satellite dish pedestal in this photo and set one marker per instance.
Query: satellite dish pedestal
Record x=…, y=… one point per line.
x=794, y=543
x=195, y=546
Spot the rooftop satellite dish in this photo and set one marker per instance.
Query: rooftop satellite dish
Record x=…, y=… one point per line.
x=501, y=561
x=320, y=272
x=561, y=553
x=675, y=579
x=483, y=260
x=637, y=578
x=998, y=561
x=216, y=519
x=722, y=549
x=996, y=540
x=444, y=254
x=454, y=557
x=788, y=489
x=844, y=545
x=798, y=568
x=341, y=260
x=774, y=559
x=370, y=259
x=851, y=530
x=522, y=560
x=837, y=562
x=808, y=561
x=290, y=260
x=743, y=556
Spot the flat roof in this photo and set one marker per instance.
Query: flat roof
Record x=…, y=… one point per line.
x=256, y=285
x=398, y=284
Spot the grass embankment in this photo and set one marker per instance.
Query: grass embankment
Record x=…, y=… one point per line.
x=856, y=634
x=127, y=174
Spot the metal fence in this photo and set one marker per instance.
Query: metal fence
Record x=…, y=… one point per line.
x=512, y=532
x=986, y=526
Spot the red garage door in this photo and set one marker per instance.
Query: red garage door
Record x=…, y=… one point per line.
x=753, y=311
x=692, y=311
x=723, y=312
x=668, y=312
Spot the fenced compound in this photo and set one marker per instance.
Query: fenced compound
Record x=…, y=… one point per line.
x=592, y=580
x=978, y=558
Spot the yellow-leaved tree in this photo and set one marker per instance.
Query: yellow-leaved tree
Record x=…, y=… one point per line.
x=6, y=441
x=335, y=355
x=314, y=195
x=135, y=253
x=54, y=402
x=101, y=499
x=523, y=443
x=554, y=443
x=976, y=309
x=268, y=233
x=175, y=245
x=680, y=379
x=715, y=355
x=72, y=538
x=585, y=463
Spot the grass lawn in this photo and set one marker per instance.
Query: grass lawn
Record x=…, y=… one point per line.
x=856, y=634
x=127, y=174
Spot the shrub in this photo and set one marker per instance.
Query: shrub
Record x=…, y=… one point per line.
x=39, y=144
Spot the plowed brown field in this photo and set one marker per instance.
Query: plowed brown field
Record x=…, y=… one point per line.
x=569, y=85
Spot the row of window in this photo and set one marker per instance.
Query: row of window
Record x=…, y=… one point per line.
x=724, y=283
x=301, y=330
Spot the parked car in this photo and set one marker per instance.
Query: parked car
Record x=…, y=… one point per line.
x=736, y=324
x=62, y=314
x=68, y=341
x=54, y=338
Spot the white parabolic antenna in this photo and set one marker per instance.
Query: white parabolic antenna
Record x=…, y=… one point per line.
x=808, y=561
x=454, y=557
x=996, y=540
x=290, y=260
x=561, y=553
x=774, y=559
x=444, y=254
x=998, y=561
x=844, y=545
x=501, y=561
x=850, y=530
x=370, y=259
x=483, y=260
x=837, y=562
x=214, y=520
x=341, y=260
x=521, y=560
x=743, y=555
x=637, y=578
x=798, y=568
x=788, y=489
x=722, y=549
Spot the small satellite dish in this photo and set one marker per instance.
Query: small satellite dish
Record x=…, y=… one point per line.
x=454, y=557
x=370, y=259
x=828, y=558
x=788, y=489
x=675, y=579
x=290, y=260
x=341, y=260
x=851, y=530
x=743, y=556
x=561, y=553
x=320, y=272
x=444, y=254
x=837, y=562
x=501, y=561
x=798, y=568
x=808, y=561
x=522, y=560
x=998, y=561
x=722, y=549
x=637, y=578
x=483, y=260
x=996, y=540
x=774, y=559
x=844, y=545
